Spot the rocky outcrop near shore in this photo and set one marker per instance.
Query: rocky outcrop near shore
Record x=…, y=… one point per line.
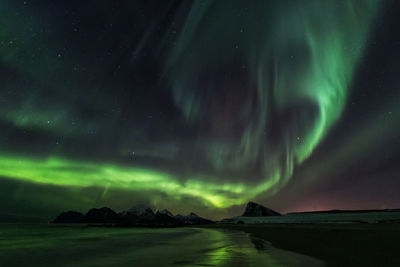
x=256, y=210
x=103, y=215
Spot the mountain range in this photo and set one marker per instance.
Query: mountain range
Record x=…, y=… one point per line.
x=136, y=216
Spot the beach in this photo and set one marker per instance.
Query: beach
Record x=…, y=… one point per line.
x=78, y=245
x=340, y=244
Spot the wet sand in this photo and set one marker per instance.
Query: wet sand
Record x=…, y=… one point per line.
x=336, y=244
x=74, y=245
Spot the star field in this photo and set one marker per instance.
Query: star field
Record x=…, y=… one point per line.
x=199, y=105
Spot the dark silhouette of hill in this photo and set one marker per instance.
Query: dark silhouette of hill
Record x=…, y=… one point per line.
x=256, y=210
x=136, y=216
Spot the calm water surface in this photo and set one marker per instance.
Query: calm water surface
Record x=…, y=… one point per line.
x=43, y=245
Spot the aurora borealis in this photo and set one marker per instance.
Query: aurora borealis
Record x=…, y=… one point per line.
x=199, y=105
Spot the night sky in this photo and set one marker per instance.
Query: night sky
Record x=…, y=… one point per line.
x=199, y=105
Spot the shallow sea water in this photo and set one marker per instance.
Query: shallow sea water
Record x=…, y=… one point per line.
x=58, y=245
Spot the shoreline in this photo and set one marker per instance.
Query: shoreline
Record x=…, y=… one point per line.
x=352, y=244
x=349, y=244
x=39, y=244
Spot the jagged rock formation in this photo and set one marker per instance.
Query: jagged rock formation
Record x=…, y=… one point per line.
x=164, y=217
x=256, y=210
x=103, y=215
x=142, y=212
x=69, y=217
x=137, y=216
x=165, y=212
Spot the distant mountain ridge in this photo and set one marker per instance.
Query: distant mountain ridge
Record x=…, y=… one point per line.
x=257, y=214
x=135, y=216
x=345, y=211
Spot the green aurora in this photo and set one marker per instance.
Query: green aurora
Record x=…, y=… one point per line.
x=67, y=173
x=257, y=87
